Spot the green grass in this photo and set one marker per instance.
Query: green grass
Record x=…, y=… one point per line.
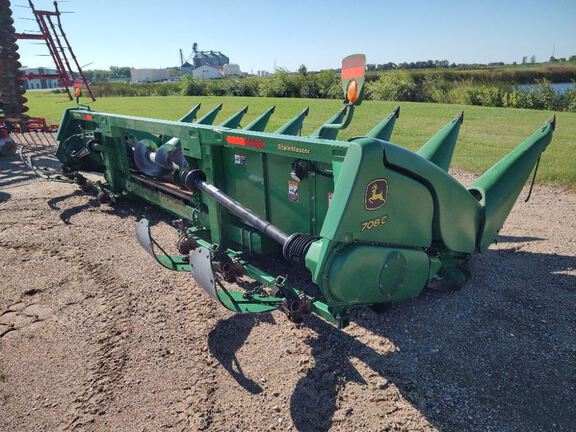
x=486, y=135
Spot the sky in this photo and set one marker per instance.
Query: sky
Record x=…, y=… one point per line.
x=259, y=34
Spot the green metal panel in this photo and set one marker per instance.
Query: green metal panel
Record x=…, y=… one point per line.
x=244, y=179
x=249, y=239
x=370, y=274
x=383, y=130
x=190, y=116
x=440, y=148
x=260, y=122
x=210, y=116
x=457, y=214
x=293, y=126
x=404, y=216
x=291, y=213
x=234, y=121
x=499, y=187
x=330, y=133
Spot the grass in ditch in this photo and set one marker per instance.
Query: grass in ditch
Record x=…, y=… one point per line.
x=486, y=135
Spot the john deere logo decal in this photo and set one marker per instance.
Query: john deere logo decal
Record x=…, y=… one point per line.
x=376, y=194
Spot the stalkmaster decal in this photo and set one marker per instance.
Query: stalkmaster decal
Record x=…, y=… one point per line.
x=376, y=194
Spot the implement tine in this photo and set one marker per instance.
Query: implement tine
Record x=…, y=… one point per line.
x=209, y=118
x=190, y=116
x=324, y=133
x=293, y=126
x=25, y=139
x=259, y=124
x=234, y=121
x=383, y=130
x=39, y=139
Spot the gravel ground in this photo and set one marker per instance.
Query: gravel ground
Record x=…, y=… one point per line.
x=95, y=337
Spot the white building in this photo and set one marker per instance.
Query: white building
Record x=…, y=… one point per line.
x=44, y=83
x=206, y=72
x=232, y=70
x=263, y=73
x=186, y=69
x=149, y=75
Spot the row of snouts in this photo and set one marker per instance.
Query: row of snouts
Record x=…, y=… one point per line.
x=164, y=160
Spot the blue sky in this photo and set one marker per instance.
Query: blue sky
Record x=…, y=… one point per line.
x=256, y=33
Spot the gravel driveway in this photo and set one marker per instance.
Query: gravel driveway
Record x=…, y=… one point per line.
x=95, y=337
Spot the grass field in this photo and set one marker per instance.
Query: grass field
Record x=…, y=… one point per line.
x=486, y=135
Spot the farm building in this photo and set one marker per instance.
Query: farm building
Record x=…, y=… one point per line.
x=206, y=72
x=149, y=75
x=231, y=70
x=186, y=68
x=44, y=83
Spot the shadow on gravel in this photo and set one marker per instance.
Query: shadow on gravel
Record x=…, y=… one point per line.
x=498, y=354
x=235, y=331
x=13, y=171
x=53, y=202
x=495, y=355
x=516, y=239
x=67, y=214
x=123, y=208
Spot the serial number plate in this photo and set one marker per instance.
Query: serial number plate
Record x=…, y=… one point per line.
x=374, y=223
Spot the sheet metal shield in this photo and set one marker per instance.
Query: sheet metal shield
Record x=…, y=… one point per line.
x=143, y=234
x=201, y=269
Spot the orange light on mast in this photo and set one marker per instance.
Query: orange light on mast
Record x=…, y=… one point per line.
x=352, y=92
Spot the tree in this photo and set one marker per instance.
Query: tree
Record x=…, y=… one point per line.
x=524, y=60
x=122, y=72
x=302, y=70
x=533, y=59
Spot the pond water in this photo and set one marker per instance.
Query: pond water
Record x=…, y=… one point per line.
x=560, y=88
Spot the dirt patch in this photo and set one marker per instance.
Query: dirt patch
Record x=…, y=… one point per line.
x=94, y=336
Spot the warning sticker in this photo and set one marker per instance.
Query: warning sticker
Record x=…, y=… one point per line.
x=239, y=159
x=293, y=190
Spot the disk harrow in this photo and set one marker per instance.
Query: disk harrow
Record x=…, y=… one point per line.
x=16, y=127
x=345, y=223
x=12, y=101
